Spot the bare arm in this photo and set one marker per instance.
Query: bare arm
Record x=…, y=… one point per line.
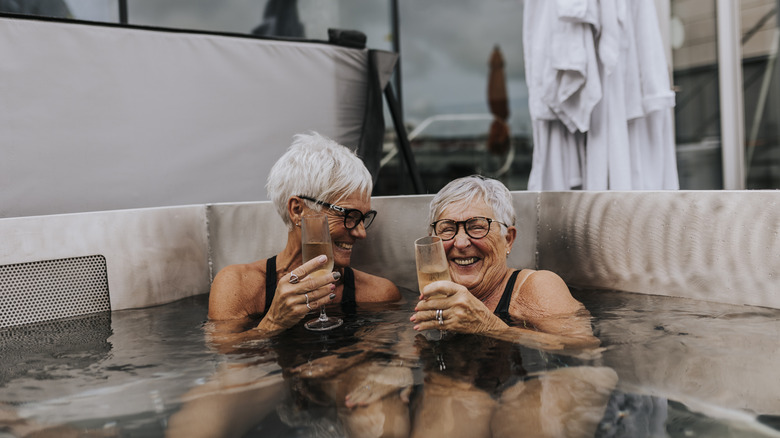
x=464, y=313
x=545, y=301
x=238, y=291
x=372, y=289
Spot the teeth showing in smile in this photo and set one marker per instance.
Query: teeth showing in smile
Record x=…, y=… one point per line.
x=464, y=262
x=343, y=245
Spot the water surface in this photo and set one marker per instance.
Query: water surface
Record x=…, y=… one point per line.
x=683, y=368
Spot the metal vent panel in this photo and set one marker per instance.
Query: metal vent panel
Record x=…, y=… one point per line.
x=52, y=289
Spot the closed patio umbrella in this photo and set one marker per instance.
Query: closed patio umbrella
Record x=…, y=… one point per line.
x=498, y=138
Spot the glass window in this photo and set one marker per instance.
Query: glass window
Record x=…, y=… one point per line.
x=371, y=17
x=46, y=8
x=233, y=16
x=95, y=10
x=693, y=37
x=89, y=10
x=308, y=19
x=445, y=70
x=445, y=53
x=760, y=33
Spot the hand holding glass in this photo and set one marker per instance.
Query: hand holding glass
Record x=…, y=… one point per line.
x=315, y=240
x=431, y=264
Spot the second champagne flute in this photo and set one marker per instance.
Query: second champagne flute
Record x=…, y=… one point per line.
x=315, y=241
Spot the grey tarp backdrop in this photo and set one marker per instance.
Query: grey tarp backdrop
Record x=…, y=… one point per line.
x=96, y=117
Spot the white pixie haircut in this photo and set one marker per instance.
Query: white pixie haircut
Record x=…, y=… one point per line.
x=318, y=167
x=475, y=188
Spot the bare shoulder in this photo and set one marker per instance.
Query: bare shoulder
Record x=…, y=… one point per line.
x=371, y=288
x=544, y=293
x=237, y=291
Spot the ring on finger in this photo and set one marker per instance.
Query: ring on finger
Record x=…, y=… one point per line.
x=294, y=278
x=440, y=316
x=307, y=301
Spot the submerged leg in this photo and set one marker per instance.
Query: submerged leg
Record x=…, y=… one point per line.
x=372, y=400
x=451, y=408
x=236, y=399
x=567, y=402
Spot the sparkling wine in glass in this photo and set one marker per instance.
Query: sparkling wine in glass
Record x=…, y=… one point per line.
x=315, y=240
x=431, y=261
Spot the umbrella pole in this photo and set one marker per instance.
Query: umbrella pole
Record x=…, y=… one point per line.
x=404, y=145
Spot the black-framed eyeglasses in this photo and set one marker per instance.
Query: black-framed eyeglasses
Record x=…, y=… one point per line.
x=352, y=216
x=475, y=227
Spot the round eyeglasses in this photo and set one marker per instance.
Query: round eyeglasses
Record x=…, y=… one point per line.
x=475, y=227
x=352, y=216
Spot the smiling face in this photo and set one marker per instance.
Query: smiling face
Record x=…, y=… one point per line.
x=342, y=238
x=477, y=264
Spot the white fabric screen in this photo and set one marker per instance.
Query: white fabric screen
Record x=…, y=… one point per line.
x=97, y=117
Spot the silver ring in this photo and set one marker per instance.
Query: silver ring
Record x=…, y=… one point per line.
x=294, y=278
x=307, y=301
x=440, y=316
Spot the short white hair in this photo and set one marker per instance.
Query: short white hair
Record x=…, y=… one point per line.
x=470, y=189
x=316, y=166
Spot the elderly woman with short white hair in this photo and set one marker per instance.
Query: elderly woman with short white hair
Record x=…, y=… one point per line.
x=475, y=218
x=315, y=173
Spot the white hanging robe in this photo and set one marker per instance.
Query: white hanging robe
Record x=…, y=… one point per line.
x=597, y=69
x=560, y=67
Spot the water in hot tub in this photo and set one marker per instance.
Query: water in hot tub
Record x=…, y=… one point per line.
x=667, y=367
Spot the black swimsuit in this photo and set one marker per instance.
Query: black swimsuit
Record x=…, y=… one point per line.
x=296, y=346
x=347, y=297
x=502, y=310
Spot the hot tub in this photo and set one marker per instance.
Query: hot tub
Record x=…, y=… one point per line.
x=691, y=334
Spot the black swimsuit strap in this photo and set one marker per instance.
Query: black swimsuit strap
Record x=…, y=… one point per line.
x=270, y=282
x=502, y=310
x=347, y=298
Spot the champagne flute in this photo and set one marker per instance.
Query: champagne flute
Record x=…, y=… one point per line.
x=431, y=261
x=432, y=264
x=315, y=240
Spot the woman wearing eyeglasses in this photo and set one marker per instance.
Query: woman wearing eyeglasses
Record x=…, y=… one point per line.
x=475, y=219
x=317, y=174
x=512, y=307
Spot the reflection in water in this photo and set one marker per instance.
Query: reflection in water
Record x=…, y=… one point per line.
x=78, y=343
x=481, y=387
x=378, y=377
x=151, y=372
x=634, y=415
x=29, y=352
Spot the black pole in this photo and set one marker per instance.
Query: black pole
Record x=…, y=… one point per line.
x=123, y=11
x=404, y=146
x=395, y=17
